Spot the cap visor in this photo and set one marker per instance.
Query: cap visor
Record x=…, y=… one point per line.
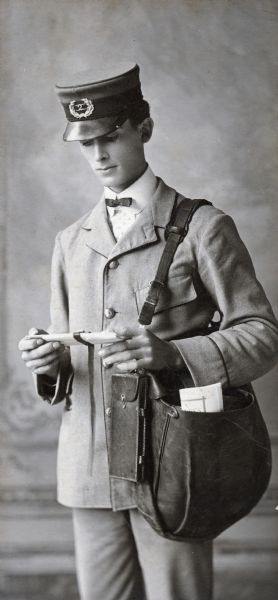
x=87, y=130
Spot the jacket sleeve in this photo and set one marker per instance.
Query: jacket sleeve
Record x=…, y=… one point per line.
x=59, y=323
x=246, y=345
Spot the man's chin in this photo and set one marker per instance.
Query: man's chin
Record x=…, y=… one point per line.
x=108, y=174
x=108, y=179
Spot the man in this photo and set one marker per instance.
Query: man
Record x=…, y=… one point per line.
x=101, y=271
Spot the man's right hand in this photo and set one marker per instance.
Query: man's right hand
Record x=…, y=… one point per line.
x=42, y=358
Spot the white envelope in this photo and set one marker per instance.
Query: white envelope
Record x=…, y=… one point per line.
x=208, y=398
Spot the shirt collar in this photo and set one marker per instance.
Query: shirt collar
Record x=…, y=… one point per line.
x=141, y=190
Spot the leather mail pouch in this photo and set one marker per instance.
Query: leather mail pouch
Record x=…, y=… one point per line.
x=128, y=435
x=206, y=470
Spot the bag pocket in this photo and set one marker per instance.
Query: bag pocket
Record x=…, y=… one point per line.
x=208, y=469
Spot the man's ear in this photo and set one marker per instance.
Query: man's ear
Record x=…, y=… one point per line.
x=146, y=129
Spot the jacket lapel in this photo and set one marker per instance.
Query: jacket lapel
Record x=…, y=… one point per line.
x=99, y=235
x=162, y=204
x=140, y=234
x=144, y=231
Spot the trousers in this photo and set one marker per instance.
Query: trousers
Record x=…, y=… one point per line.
x=120, y=557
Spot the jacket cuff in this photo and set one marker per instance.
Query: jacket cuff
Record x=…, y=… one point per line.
x=204, y=360
x=59, y=390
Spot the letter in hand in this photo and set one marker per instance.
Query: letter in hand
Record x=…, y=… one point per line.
x=140, y=348
x=42, y=358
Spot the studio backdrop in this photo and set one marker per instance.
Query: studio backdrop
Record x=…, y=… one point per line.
x=209, y=71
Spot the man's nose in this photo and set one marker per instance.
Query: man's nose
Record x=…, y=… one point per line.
x=100, y=152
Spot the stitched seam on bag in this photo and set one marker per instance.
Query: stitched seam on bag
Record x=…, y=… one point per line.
x=222, y=358
x=161, y=453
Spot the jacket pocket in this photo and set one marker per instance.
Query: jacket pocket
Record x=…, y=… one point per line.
x=179, y=290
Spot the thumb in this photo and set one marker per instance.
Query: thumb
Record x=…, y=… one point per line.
x=35, y=331
x=126, y=332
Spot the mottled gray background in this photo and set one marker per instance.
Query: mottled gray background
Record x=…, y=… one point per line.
x=209, y=71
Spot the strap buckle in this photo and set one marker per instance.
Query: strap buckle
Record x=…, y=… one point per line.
x=157, y=282
x=173, y=229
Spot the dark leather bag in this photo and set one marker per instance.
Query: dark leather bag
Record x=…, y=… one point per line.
x=204, y=471
x=196, y=473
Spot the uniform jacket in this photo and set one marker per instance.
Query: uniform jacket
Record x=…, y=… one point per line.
x=212, y=271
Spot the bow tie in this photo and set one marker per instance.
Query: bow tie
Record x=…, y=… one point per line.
x=113, y=202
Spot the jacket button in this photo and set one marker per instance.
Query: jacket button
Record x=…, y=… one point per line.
x=108, y=411
x=113, y=264
x=109, y=313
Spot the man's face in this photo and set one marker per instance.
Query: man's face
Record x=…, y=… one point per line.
x=118, y=158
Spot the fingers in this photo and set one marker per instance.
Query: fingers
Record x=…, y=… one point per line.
x=42, y=350
x=137, y=350
x=42, y=358
x=143, y=350
x=131, y=365
x=35, y=331
x=50, y=370
x=37, y=358
x=127, y=332
x=136, y=347
x=47, y=361
x=123, y=357
x=112, y=349
x=135, y=342
x=29, y=344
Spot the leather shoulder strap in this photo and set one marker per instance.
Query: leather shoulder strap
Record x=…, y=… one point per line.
x=175, y=232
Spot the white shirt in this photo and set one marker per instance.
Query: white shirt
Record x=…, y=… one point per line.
x=141, y=192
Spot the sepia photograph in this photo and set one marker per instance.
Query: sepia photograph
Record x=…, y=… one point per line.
x=139, y=300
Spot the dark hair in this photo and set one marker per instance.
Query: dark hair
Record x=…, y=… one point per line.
x=138, y=112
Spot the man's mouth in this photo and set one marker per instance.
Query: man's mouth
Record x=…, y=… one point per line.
x=107, y=168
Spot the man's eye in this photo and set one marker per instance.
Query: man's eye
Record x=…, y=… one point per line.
x=87, y=143
x=110, y=138
x=104, y=139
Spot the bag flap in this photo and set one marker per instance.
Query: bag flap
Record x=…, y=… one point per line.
x=125, y=387
x=128, y=384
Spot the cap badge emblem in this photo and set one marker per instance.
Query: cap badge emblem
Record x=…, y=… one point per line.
x=81, y=109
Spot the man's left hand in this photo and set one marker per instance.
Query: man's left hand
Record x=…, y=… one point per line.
x=139, y=349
